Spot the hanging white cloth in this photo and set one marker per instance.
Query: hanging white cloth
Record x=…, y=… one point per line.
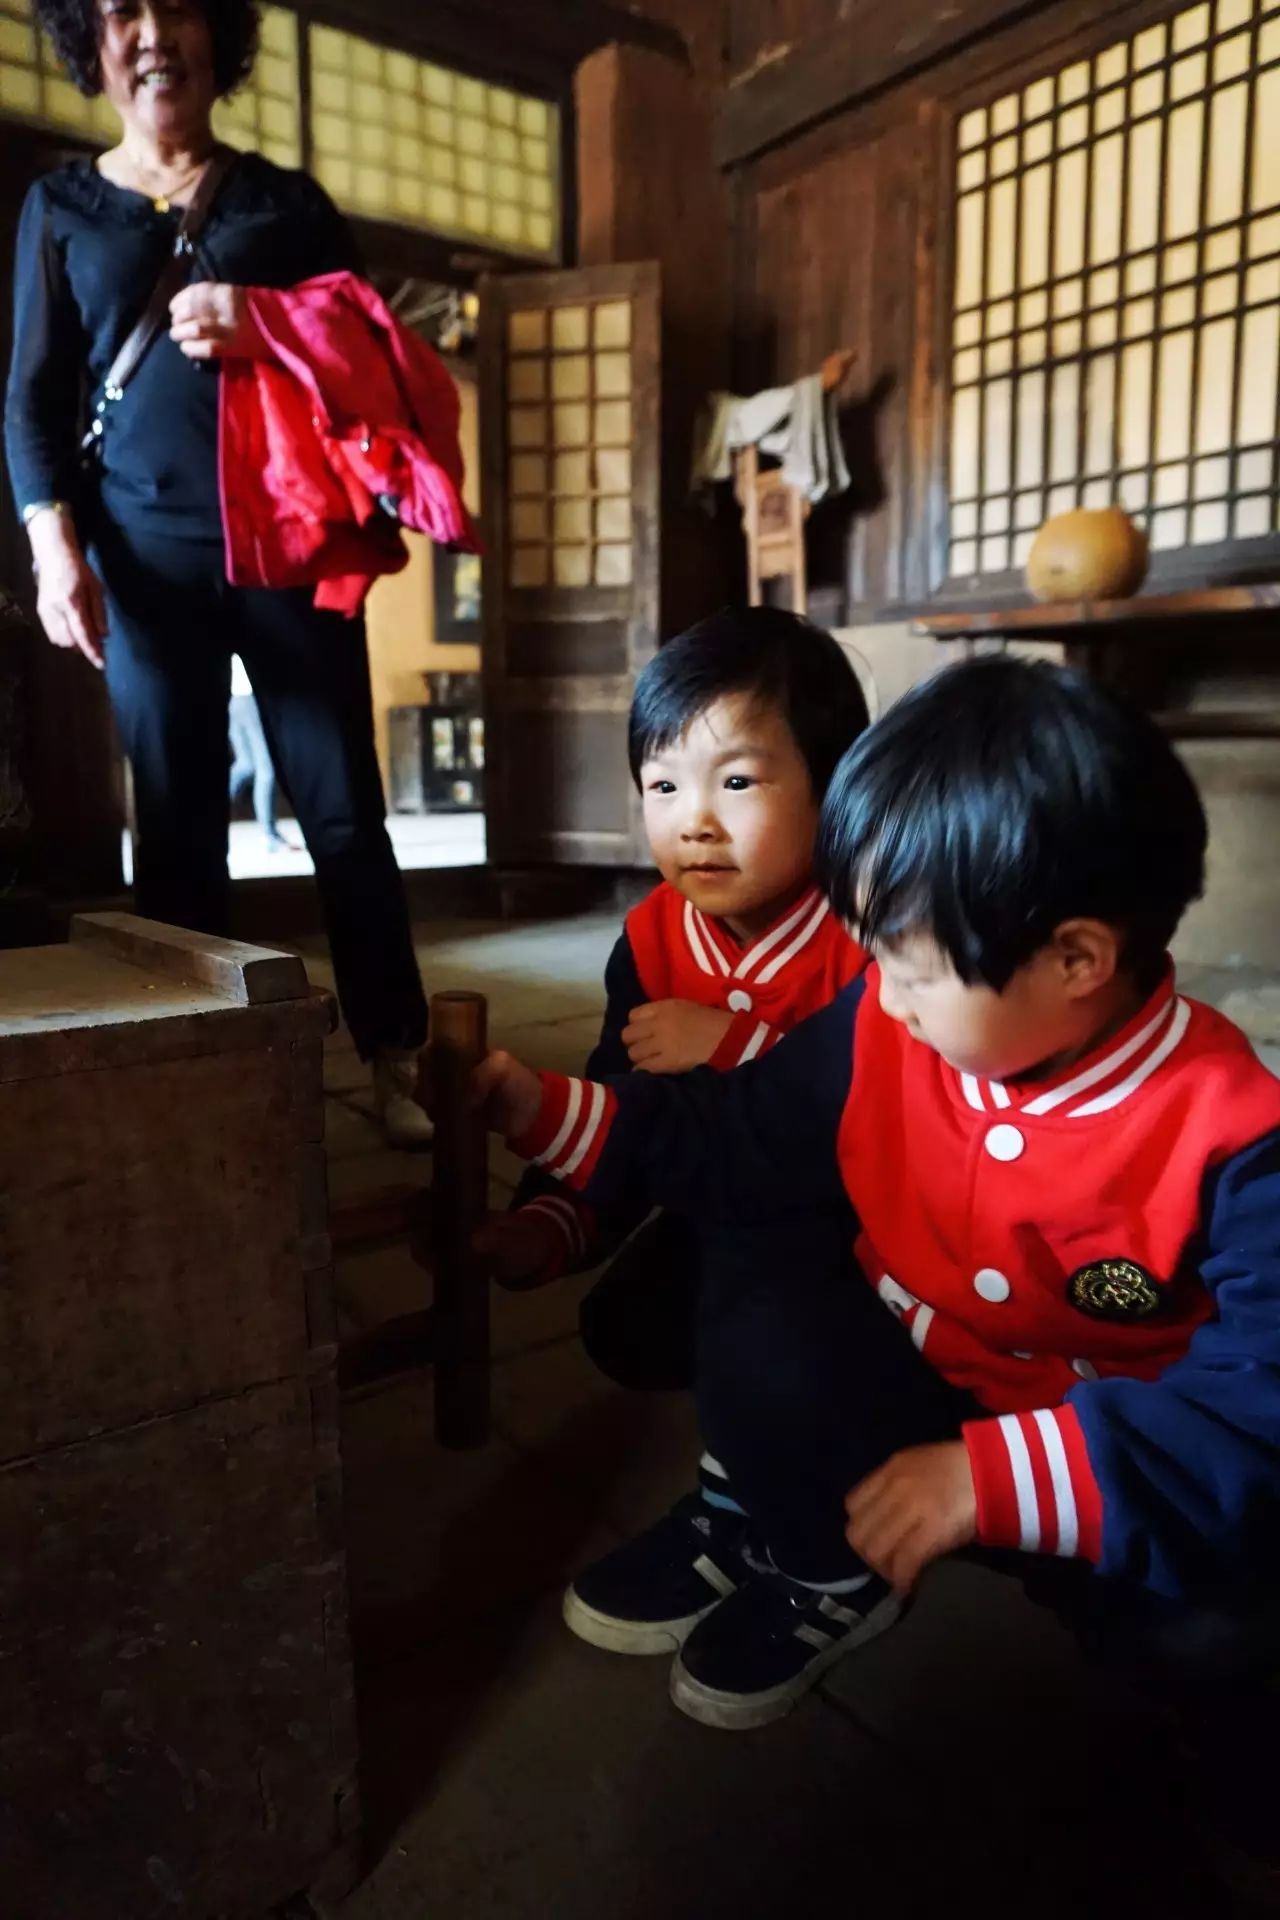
x=797, y=425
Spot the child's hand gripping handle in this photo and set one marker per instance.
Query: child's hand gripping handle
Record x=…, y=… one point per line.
x=506, y=1094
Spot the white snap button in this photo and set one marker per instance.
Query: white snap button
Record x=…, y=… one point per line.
x=1004, y=1143
x=1085, y=1368
x=991, y=1285
x=739, y=1002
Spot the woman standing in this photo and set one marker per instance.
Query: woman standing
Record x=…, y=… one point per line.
x=130, y=563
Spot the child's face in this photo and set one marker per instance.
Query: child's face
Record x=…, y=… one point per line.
x=731, y=814
x=1044, y=1013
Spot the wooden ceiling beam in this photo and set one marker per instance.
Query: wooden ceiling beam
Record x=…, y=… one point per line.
x=536, y=40
x=827, y=73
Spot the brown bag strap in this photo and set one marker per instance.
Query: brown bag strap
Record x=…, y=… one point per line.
x=174, y=275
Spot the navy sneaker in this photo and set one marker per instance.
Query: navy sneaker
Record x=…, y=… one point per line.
x=769, y=1643
x=647, y=1596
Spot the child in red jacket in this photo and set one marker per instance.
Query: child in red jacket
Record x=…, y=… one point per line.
x=735, y=730
x=1054, y=1333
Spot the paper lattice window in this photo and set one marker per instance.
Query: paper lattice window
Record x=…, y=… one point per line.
x=1116, y=321
x=397, y=138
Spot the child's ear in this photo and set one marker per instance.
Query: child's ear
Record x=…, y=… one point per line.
x=1088, y=952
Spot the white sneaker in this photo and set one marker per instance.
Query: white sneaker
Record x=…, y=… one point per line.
x=395, y=1080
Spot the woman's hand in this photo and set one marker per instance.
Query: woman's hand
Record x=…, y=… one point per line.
x=69, y=597
x=211, y=321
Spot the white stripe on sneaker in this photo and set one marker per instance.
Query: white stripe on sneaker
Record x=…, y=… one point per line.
x=714, y=1576
x=815, y=1637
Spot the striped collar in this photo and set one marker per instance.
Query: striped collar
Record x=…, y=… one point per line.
x=716, y=952
x=1102, y=1080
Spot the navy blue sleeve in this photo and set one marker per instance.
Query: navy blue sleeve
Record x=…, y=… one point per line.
x=42, y=401
x=1189, y=1465
x=608, y=1057
x=623, y=994
x=758, y=1143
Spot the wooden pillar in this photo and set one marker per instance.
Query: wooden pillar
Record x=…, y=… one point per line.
x=649, y=189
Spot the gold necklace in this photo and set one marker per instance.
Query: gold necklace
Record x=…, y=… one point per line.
x=162, y=202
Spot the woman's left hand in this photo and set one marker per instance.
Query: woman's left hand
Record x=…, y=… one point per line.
x=211, y=321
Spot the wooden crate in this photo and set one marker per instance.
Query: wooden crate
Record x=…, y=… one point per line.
x=176, y=1720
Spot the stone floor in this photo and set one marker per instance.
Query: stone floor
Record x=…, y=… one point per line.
x=420, y=840
x=510, y=1772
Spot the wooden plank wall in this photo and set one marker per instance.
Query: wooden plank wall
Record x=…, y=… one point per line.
x=840, y=240
x=828, y=233
x=832, y=235
x=760, y=30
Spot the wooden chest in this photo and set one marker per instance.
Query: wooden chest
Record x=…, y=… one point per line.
x=176, y=1721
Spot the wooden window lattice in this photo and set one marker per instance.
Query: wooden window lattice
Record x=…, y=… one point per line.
x=1116, y=319
x=569, y=426
x=403, y=139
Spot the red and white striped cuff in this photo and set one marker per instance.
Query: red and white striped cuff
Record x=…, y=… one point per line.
x=1035, y=1487
x=745, y=1040
x=573, y=1123
x=570, y=1221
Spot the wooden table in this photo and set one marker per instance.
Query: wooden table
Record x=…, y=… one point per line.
x=176, y=1727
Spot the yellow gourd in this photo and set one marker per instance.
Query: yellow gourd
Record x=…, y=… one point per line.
x=1092, y=554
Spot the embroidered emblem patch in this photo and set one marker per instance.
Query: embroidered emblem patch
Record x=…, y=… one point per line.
x=1114, y=1290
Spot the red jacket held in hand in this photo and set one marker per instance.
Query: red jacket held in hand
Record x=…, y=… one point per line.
x=351, y=407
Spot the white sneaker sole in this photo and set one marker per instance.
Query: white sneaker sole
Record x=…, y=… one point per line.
x=643, y=1638
x=739, y=1712
x=406, y=1127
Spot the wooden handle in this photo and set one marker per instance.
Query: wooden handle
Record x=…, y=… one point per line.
x=458, y=1043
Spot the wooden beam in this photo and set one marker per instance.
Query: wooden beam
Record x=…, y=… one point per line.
x=589, y=24
x=1082, y=622
x=537, y=42
x=829, y=72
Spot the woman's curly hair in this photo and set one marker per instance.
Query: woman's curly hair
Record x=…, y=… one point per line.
x=75, y=28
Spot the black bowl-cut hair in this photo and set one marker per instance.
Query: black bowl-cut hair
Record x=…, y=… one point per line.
x=75, y=28
x=1002, y=798
x=778, y=659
